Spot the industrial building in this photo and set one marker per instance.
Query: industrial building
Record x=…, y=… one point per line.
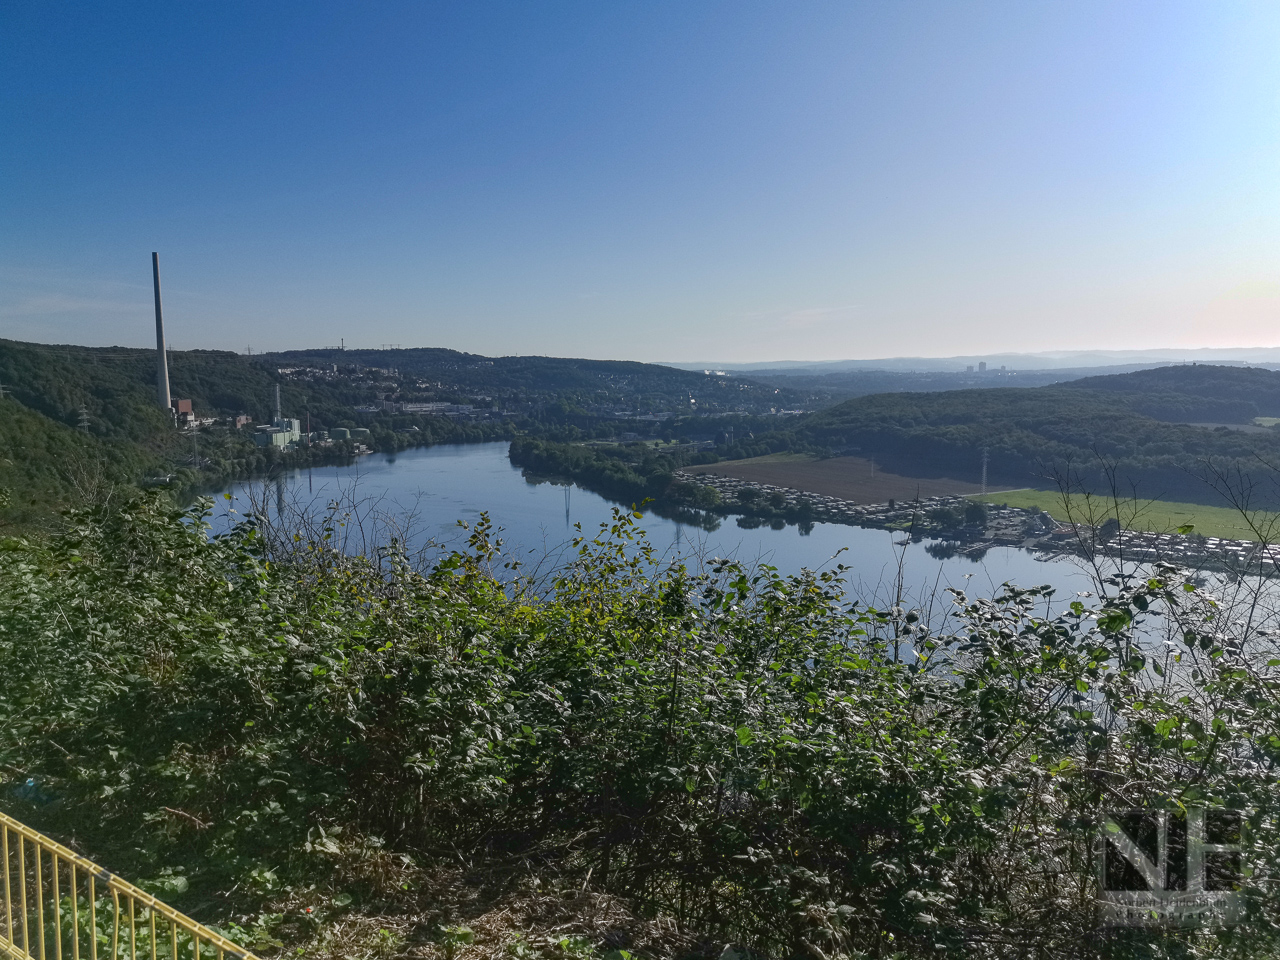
x=282, y=433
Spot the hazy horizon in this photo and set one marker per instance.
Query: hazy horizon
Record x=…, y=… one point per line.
x=1037, y=361
x=741, y=181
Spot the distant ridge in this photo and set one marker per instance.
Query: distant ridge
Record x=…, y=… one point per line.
x=1047, y=360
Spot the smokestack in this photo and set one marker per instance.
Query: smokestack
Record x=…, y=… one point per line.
x=162, y=363
x=278, y=417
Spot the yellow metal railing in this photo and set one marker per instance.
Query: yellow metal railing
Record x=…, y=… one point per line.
x=58, y=905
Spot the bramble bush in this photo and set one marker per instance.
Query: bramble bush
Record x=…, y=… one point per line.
x=751, y=754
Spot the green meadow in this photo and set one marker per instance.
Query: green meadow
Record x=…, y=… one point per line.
x=1157, y=516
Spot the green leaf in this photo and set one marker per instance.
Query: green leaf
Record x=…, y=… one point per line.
x=1113, y=621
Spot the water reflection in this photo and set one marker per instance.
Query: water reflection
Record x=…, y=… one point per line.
x=425, y=492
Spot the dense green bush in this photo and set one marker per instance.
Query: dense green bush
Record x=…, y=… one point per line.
x=751, y=754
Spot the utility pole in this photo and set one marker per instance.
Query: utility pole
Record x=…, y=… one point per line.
x=84, y=419
x=3, y=391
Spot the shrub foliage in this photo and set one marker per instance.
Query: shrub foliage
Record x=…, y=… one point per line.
x=751, y=754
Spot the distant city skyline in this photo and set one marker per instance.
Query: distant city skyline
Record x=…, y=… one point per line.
x=739, y=181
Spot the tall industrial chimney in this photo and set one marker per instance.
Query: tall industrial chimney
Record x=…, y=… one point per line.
x=162, y=362
x=278, y=401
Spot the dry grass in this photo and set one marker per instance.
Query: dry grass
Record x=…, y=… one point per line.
x=542, y=923
x=381, y=905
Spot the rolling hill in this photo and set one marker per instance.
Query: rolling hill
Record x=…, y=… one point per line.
x=72, y=409
x=1193, y=393
x=1130, y=423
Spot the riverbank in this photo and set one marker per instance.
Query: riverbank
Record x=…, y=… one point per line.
x=966, y=532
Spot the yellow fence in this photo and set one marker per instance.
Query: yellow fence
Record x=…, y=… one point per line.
x=58, y=905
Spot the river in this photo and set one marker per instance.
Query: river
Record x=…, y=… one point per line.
x=428, y=490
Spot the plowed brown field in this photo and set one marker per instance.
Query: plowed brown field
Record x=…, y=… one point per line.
x=849, y=478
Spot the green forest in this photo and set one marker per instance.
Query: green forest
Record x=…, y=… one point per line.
x=628, y=473
x=80, y=419
x=1195, y=393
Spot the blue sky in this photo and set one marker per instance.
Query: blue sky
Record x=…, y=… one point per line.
x=730, y=181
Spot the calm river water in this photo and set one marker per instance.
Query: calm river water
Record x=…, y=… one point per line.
x=435, y=487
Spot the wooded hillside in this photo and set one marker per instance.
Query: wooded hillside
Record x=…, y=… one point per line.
x=1033, y=435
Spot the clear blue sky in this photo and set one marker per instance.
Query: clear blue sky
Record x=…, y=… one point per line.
x=729, y=181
